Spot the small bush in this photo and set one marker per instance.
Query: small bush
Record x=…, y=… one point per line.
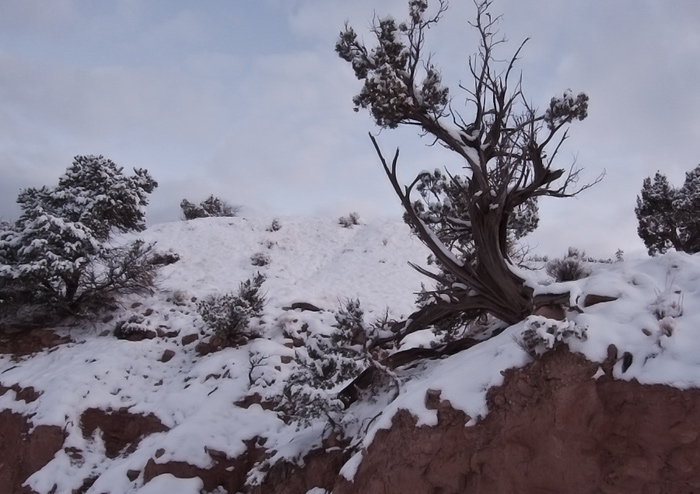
x=350, y=322
x=210, y=207
x=668, y=304
x=275, y=226
x=165, y=258
x=570, y=268
x=230, y=315
x=324, y=365
x=260, y=259
x=349, y=221
x=541, y=334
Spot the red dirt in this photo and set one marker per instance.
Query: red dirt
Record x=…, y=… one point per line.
x=22, y=453
x=24, y=343
x=228, y=473
x=551, y=429
x=121, y=431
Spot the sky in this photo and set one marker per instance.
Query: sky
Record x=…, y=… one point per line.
x=247, y=100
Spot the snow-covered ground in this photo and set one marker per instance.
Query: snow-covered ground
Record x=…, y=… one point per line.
x=656, y=318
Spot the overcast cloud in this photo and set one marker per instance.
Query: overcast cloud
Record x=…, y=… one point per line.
x=248, y=101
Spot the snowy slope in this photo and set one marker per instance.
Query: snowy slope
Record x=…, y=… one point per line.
x=656, y=318
x=312, y=259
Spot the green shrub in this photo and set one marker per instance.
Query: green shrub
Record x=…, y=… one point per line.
x=231, y=316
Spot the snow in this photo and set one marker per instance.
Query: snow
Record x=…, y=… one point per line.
x=655, y=317
x=170, y=483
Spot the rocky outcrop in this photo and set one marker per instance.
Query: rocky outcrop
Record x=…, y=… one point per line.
x=23, y=452
x=551, y=428
x=227, y=473
x=21, y=343
x=121, y=431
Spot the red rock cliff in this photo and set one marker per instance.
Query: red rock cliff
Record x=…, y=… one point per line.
x=551, y=428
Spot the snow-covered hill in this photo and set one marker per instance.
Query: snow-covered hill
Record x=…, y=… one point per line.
x=202, y=400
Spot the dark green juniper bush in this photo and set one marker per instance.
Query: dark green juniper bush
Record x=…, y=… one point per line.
x=57, y=260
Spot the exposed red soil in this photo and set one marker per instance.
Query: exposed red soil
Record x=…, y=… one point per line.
x=321, y=467
x=22, y=453
x=228, y=473
x=121, y=431
x=24, y=343
x=551, y=429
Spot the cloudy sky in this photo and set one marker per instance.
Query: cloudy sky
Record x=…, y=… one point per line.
x=247, y=100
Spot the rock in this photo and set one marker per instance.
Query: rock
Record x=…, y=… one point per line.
x=320, y=470
x=190, y=338
x=121, y=430
x=167, y=355
x=432, y=399
x=133, y=474
x=23, y=343
x=303, y=306
x=592, y=299
x=140, y=335
x=203, y=348
x=23, y=452
x=163, y=332
x=227, y=473
x=214, y=344
x=551, y=311
x=27, y=394
x=256, y=399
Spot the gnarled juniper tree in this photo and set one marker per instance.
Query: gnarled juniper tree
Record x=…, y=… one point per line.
x=508, y=148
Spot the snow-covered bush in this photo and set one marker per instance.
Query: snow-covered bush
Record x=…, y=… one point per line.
x=569, y=268
x=656, y=216
x=165, y=258
x=350, y=324
x=325, y=364
x=349, y=221
x=260, y=259
x=210, y=207
x=275, y=226
x=670, y=217
x=57, y=258
x=668, y=304
x=541, y=334
x=231, y=316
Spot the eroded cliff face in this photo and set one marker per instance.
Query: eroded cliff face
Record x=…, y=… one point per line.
x=552, y=428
